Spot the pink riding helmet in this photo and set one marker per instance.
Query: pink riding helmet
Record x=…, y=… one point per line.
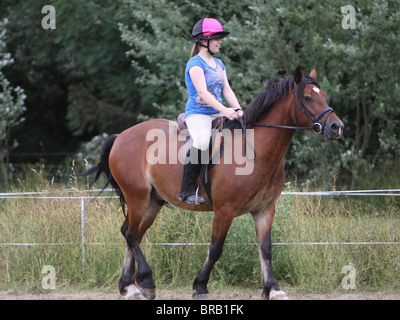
x=208, y=28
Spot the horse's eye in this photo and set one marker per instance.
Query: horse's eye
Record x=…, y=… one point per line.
x=307, y=97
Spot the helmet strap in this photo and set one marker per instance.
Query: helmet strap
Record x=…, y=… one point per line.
x=207, y=46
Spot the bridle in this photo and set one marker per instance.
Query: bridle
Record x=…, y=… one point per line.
x=317, y=127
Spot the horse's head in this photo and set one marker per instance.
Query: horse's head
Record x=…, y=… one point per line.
x=311, y=100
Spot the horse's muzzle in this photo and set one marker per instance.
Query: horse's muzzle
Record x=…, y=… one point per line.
x=333, y=129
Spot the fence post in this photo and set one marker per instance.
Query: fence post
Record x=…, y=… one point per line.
x=83, y=233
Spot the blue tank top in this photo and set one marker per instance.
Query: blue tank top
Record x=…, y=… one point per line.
x=214, y=82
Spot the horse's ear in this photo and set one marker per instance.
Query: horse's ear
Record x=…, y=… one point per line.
x=313, y=74
x=298, y=75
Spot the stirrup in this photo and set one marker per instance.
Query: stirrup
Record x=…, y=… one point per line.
x=197, y=201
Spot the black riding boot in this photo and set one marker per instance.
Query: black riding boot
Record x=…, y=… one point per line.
x=190, y=172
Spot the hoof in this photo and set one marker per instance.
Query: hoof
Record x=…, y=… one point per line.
x=204, y=296
x=277, y=295
x=148, y=293
x=133, y=293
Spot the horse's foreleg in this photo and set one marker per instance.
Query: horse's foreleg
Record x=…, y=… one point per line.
x=263, y=221
x=221, y=226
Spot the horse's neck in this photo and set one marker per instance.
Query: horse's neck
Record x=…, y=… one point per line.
x=274, y=142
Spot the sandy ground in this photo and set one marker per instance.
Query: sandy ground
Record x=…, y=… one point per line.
x=185, y=294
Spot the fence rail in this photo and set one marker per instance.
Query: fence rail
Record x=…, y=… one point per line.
x=200, y=244
x=84, y=244
x=41, y=194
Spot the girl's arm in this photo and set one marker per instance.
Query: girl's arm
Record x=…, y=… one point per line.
x=199, y=81
x=230, y=96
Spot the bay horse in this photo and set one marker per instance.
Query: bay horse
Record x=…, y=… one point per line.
x=144, y=186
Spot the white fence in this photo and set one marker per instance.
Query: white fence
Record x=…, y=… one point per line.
x=46, y=195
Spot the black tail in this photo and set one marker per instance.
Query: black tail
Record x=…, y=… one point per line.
x=103, y=167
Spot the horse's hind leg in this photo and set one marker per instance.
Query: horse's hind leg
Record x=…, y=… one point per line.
x=128, y=269
x=136, y=223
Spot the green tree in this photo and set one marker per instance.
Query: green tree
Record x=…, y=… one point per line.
x=110, y=64
x=356, y=68
x=39, y=72
x=101, y=94
x=78, y=80
x=11, y=107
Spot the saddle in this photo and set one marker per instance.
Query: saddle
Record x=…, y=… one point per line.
x=216, y=141
x=217, y=124
x=216, y=148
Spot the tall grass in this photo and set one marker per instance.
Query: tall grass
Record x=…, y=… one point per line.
x=317, y=219
x=299, y=219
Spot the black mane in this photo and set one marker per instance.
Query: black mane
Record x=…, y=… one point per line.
x=274, y=90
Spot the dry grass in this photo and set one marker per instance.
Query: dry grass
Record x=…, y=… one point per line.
x=298, y=219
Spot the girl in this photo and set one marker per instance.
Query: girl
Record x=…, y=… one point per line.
x=206, y=82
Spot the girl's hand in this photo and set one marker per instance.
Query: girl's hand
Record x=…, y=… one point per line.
x=230, y=113
x=239, y=112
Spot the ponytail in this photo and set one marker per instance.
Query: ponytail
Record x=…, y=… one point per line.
x=195, y=50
